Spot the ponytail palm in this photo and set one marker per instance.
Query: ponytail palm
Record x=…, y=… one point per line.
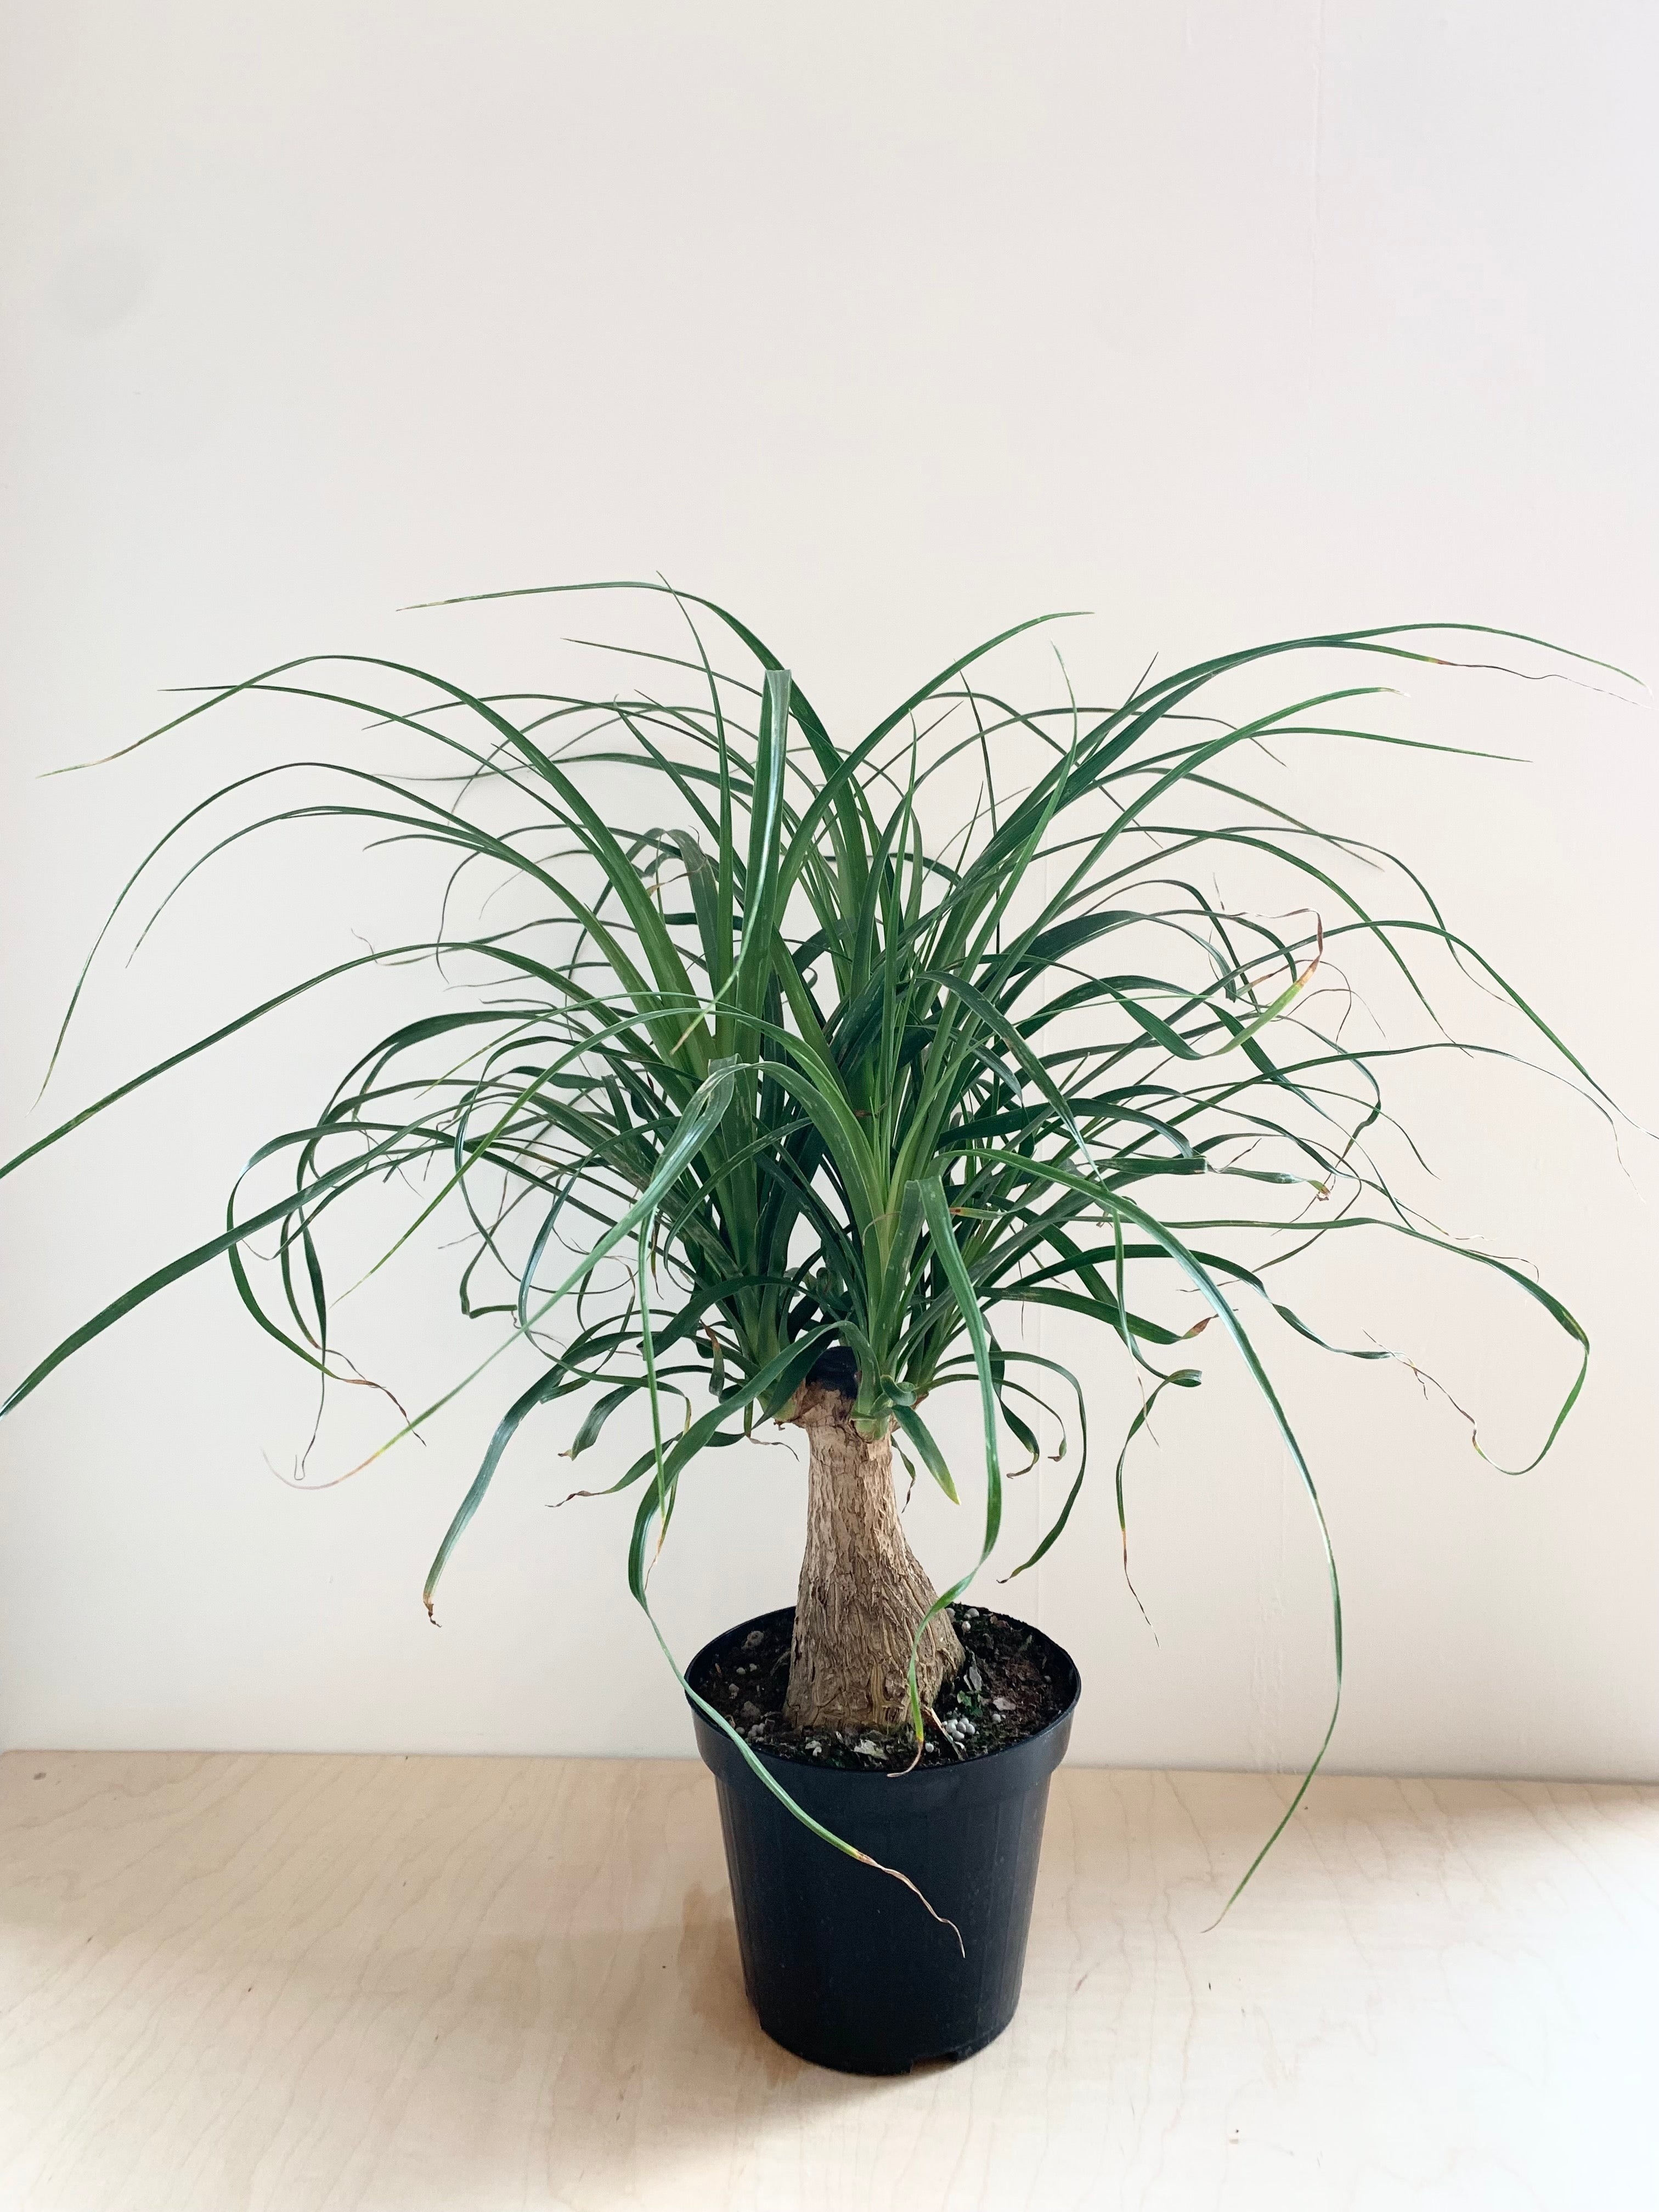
x=790, y=1079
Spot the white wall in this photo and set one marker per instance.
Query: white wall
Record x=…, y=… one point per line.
x=886, y=326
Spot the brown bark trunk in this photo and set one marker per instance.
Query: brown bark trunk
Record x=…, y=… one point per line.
x=861, y=1590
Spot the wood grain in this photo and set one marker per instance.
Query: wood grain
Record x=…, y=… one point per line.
x=353, y=1983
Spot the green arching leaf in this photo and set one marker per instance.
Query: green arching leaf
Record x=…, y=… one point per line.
x=163, y=1278
x=917, y=1432
x=1184, y=1378
x=705, y=1110
x=597, y=1414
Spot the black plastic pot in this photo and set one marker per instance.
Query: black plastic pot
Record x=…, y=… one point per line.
x=843, y=1964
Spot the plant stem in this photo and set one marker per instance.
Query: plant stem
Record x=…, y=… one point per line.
x=862, y=1590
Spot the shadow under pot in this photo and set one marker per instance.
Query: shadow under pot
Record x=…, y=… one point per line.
x=844, y=1964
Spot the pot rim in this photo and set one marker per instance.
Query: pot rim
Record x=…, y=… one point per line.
x=784, y=1764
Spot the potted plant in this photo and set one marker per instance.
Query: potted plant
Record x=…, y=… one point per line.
x=798, y=1071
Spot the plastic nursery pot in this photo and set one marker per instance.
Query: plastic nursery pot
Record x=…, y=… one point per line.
x=843, y=1966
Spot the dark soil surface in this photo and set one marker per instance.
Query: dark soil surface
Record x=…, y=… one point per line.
x=1013, y=1684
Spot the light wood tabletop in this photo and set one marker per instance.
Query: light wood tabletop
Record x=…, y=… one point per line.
x=481, y=1983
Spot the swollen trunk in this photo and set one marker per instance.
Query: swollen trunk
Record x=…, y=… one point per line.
x=862, y=1591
